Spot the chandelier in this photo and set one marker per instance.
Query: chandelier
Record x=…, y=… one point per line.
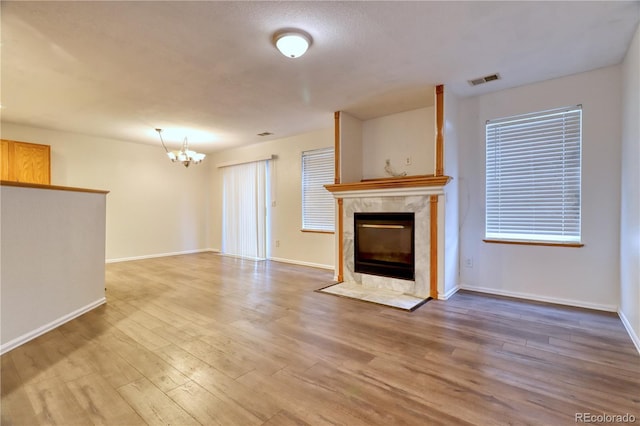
x=185, y=155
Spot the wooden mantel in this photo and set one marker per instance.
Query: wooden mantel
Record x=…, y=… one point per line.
x=408, y=182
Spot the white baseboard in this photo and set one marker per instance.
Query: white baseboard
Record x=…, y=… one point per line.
x=298, y=262
x=529, y=296
x=448, y=294
x=152, y=256
x=6, y=347
x=632, y=333
x=237, y=256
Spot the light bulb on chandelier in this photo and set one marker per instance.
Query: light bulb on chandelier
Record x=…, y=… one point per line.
x=184, y=155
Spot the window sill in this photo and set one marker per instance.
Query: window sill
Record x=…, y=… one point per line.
x=315, y=231
x=535, y=243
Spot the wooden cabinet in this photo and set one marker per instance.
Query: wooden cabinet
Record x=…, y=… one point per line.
x=25, y=162
x=4, y=160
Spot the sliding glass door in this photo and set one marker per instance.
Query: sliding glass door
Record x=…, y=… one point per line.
x=244, y=212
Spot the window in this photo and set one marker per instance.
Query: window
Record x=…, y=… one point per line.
x=533, y=167
x=317, y=203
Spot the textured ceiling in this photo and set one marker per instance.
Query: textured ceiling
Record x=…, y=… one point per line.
x=209, y=70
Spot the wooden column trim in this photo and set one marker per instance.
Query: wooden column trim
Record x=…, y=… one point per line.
x=337, y=180
x=340, y=272
x=440, y=130
x=336, y=125
x=433, y=247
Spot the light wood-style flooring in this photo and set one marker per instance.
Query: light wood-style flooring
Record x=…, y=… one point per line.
x=207, y=339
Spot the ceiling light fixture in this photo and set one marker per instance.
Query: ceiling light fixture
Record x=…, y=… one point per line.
x=185, y=155
x=292, y=43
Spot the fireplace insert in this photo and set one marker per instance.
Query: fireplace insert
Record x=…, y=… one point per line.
x=384, y=244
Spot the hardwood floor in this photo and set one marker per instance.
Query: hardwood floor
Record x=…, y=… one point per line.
x=206, y=339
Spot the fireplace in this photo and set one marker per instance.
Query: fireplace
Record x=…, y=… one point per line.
x=384, y=244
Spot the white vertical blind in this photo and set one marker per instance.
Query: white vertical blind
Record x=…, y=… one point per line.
x=533, y=173
x=318, y=205
x=244, y=210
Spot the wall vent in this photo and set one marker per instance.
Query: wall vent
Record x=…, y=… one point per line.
x=265, y=134
x=485, y=79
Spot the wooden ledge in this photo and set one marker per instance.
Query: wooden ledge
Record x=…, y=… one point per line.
x=315, y=231
x=534, y=243
x=50, y=187
x=392, y=183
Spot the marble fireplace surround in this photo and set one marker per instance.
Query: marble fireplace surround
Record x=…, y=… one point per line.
x=419, y=205
x=397, y=195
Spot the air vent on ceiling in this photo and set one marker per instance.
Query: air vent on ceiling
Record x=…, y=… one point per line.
x=265, y=134
x=485, y=79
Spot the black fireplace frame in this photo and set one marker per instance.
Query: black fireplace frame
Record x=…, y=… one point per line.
x=399, y=270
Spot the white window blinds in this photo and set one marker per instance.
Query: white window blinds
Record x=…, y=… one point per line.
x=317, y=203
x=533, y=168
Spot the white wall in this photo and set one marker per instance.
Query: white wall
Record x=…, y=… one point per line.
x=52, y=249
x=587, y=276
x=350, y=148
x=451, y=190
x=409, y=134
x=154, y=206
x=309, y=248
x=630, y=192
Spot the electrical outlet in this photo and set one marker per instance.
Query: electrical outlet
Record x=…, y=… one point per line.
x=273, y=203
x=407, y=161
x=277, y=243
x=468, y=262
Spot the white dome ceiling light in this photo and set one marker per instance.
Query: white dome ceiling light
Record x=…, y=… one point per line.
x=292, y=43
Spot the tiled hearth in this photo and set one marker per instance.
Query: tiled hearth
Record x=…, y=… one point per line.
x=369, y=198
x=380, y=296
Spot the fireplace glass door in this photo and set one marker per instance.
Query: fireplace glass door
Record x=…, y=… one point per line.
x=384, y=244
